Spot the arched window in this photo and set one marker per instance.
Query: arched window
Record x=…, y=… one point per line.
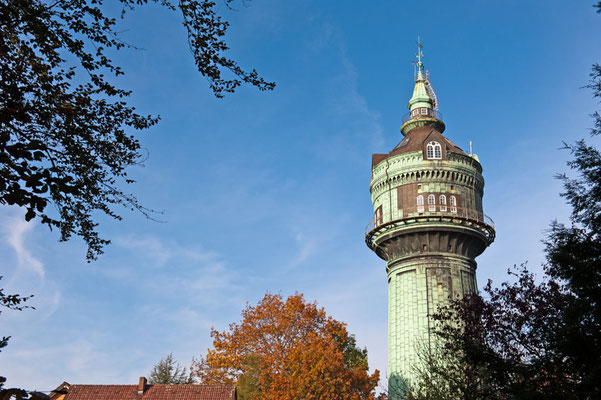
x=431, y=202
x=420, y=204
x=434, y=151
x=442, y=200
x=453, y=204
x=378, y=216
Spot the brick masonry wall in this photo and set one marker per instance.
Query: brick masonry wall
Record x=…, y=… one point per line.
x=397, y=182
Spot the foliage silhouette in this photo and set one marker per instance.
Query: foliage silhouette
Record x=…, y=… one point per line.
x=169, y=372
x=65, y=130
x=531, y=339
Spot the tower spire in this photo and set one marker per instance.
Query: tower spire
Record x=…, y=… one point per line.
x=421, y=97
x=422, y=105
x=419, y=56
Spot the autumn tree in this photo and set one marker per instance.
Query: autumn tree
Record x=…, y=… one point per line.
x=66, y=131
x=288, y=349
x=169, y=372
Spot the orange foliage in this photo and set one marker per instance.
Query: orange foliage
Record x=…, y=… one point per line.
x=287, y=350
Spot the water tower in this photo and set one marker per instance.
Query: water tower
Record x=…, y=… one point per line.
x=428, y=226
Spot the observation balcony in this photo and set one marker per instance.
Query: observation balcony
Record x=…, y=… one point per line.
x=420, y=117
x=406, y=218
x=422, y=113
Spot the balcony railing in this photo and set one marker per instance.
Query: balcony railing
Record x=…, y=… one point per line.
x=422, y=113
x=426, y=211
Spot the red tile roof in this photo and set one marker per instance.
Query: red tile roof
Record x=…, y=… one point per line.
x=151, y=392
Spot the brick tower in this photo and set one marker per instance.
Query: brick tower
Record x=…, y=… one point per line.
x=428, y=225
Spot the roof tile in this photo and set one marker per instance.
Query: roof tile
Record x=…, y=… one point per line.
x=152, y=392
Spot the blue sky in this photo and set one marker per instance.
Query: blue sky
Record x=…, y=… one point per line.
x=270, y=191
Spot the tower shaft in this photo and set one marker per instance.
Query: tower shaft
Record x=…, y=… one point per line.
x=416, y=289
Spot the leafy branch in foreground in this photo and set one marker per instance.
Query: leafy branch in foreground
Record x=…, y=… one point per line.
x=19, y=394
x=65, y=129
x=12, y=302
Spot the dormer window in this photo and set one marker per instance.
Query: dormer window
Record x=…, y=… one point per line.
x=434, y=151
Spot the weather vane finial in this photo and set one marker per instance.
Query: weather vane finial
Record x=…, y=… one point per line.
x=420, y=54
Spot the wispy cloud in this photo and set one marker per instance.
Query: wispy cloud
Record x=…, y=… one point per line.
x=25, y=271
x=80, y=361
x=15, y=232
x=160, y=252
x=306, y=247
x=179, y=271
x=343, y=97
